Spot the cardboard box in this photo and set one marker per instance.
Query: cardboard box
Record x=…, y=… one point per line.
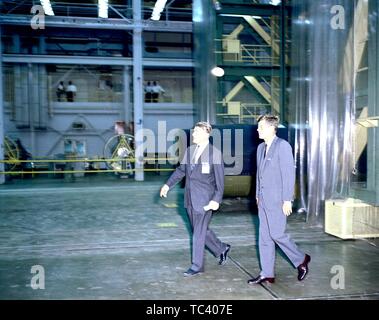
x=351, y=219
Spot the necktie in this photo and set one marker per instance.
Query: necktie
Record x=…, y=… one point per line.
x=193, y=159
x=265, y=150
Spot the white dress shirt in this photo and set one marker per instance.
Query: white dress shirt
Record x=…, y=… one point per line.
x=269, y=143
x=199, y=150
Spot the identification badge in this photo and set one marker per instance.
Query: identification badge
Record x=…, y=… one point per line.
x=205, y=168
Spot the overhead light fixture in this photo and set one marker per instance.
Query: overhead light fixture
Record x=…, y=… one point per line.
x=238, y=15
x=275, y=2
x=217, y=5
x=47, y=7
x=302, y=20
x=158, y=8
x=103, y=8
x=218, y=72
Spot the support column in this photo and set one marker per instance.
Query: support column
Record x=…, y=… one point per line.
x=43, y=96
x=31, y=108
x=126, y=110
x=283, y=73
x=373, y=101
x=42, y=45
x=43, y=102
x=375, y=11
x=205, y=83
x=34, y=90
x=16, y=46
x=2, y=176
x=138, y=90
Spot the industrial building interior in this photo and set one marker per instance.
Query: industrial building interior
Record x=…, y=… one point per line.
x=79, y=183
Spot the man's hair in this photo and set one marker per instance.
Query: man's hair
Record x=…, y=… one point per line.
x=271, y=119
x=204, y=125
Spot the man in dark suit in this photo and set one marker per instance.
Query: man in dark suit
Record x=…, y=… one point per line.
x=203, y=167
x=274, y=194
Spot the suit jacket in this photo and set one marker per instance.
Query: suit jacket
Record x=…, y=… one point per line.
x=205, y=181
x=275, y=173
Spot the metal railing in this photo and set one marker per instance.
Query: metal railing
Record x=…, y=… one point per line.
x=258, y=54
x=248, y=53
x=254, y=110
x=248, y=112
x=35, y=165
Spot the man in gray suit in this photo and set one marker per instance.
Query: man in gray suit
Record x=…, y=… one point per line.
x=203, y=167
x=274, y=194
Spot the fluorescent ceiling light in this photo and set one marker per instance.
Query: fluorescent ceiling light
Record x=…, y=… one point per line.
x=217, y=5
x=275, y=2
x=158, y=8
x=302, y=20
x=239, y=16
x=103, y=8
x=47, y=7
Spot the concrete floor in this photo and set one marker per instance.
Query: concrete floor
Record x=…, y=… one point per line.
x=109, y=238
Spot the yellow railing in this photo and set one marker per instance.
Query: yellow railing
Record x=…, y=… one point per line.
x=233, y=51
x=85, y=160
x=258, y=54
x=247, y=111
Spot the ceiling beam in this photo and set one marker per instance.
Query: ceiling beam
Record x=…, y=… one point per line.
x=96, y=23
x=110, y=61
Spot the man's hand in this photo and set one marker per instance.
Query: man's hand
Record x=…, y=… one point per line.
x=287, y=208
x=212, y=205
x=164, y=190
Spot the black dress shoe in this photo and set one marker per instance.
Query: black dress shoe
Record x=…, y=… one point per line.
x=191, y=273
x=260, y=279
x=224, y=255
x=303, y=268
